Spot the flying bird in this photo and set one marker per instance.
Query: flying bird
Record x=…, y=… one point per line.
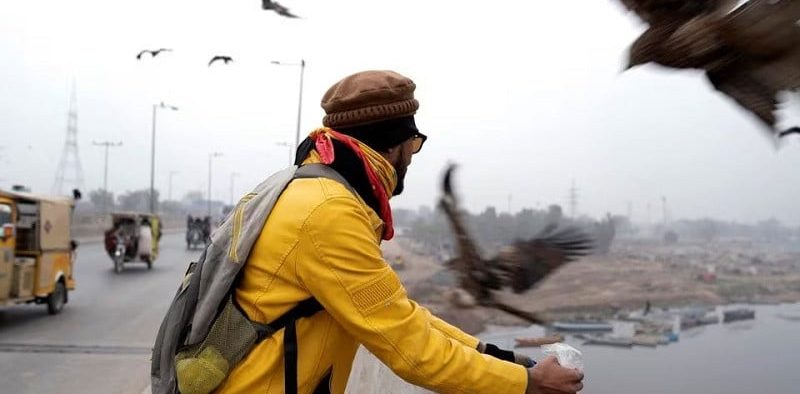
x=518, y=267
x=153, y=53
x=279, y=9
x=750, y=53
x=226, y=59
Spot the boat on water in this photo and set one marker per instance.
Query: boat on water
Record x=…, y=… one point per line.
x=538, y=341
x=650, y=340
x=696, y=322
x=609, y=341
x=738, y=314
x=582, y=326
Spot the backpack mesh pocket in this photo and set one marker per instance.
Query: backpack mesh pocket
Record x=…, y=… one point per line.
x=202, y=367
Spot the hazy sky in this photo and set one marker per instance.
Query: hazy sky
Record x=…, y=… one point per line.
x=527, y=96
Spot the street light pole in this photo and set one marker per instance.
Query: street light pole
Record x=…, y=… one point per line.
x=153, y=155
x=211, y=156
x=106, y=145
x=302, y=65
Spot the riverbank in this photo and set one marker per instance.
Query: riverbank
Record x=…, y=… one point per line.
x=630, y=276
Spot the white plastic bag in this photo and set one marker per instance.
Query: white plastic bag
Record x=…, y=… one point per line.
x=567, y=356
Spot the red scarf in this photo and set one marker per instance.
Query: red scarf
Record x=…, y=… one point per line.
x=324, y=147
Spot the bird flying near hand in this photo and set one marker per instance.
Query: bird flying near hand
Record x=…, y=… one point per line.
x=750, y=53
x=279, y=9
x=153, y=53
x=225, y=59
x=518, y=267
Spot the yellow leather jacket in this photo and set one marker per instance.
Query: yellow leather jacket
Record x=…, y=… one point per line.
x=323, y=241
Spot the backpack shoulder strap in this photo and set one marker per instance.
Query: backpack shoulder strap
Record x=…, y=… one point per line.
x=305, y=308
x=315, y=170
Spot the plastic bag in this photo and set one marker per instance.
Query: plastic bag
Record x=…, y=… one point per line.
x=567, y=356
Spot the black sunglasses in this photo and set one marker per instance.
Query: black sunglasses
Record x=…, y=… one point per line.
x=418, y=140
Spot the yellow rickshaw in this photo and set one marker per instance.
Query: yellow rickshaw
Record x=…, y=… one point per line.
x=36, y=250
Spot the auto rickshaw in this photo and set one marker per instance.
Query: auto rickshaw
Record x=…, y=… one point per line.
x=36, y=250
x=133, y=237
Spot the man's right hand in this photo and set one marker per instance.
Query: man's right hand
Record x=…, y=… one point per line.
x=548, y=377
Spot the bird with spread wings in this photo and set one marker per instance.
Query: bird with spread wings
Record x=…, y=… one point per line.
x=750, y=53
x=153, y=53
x=224, y=59
x=518, y=267
x=278, y=8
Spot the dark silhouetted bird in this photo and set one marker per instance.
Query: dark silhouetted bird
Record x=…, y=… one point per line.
x=518, y=267
x=750, y=53
x=153, y=53
x=225, y=59
x=279, y=9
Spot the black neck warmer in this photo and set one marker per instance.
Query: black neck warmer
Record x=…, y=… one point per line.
x=349, y=166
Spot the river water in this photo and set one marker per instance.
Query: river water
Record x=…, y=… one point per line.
x=760, y=356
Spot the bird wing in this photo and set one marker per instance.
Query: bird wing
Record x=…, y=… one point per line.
x=139, y=55
x=285, y=12
x=468, y=264
x=737, y=83
x=214, y=59
x=764, y=28
x=527, y=262
x=656, y=12
x=282, y=11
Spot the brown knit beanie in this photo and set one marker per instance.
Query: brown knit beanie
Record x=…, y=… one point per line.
x=369, y=97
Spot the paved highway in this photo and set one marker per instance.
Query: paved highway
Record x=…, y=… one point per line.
x=101, y=341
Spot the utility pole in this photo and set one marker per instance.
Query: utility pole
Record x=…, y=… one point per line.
x=106, y=145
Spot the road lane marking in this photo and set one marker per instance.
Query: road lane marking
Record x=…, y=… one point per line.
x=71, y=349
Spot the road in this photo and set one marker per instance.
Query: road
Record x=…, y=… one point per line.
x=101, y=341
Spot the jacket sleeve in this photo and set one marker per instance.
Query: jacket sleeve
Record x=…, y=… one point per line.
x=342, y=267
x=450, y=330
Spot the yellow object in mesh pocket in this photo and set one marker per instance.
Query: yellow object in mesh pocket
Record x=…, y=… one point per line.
x=201, y=368
x=201, y=374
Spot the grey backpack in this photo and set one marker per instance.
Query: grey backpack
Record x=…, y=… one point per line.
x=204, y=333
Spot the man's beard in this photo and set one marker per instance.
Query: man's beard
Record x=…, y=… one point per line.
x=400, y=169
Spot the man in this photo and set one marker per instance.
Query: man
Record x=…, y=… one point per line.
x=322, y=241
